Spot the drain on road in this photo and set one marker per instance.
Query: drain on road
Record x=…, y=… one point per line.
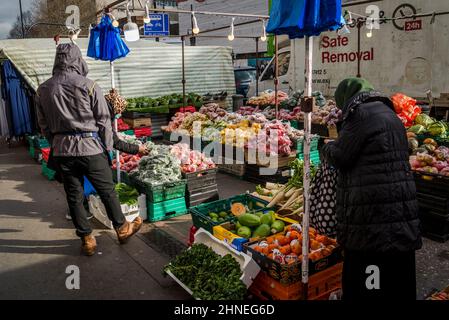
x=164, y=243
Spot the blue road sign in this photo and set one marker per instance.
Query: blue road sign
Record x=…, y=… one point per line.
x=159, y=25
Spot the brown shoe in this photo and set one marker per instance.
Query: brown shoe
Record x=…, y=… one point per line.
x=128, y=229
x=89, y=245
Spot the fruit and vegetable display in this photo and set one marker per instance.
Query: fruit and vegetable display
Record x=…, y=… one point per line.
x=286, y=196
x=126, y=194
x=212, y=111
x=267, y=98
x=118, y=103
x=208, y=275
x=129, y=138
x=440, y=296
x=429, y=157
x=286, y=248
x=159, y=167
x=257, y=225
x=191, y=160
x=425, y=125
x=128, y=162
x=406, y=108
x=272, y=140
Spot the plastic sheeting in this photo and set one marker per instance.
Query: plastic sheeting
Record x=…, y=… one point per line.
x=300, y=18
x=18, y=101
x=150, y=69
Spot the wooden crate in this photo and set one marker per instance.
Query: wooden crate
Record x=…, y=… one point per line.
x=138, y=123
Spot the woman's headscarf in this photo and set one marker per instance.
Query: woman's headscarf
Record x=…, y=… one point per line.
x=348, y=88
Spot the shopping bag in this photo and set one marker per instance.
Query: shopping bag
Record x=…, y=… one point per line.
x=323, y=200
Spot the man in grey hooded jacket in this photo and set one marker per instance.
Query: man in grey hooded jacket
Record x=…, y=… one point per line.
x=74, y=116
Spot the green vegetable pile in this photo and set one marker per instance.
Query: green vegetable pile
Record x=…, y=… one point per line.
x=126, y=194
x=424, y=124
x=159, y=167
x=209, y=275
x=162, y=104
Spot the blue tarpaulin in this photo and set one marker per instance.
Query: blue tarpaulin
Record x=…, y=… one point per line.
x=300, y=18
x=17, y=101
x=105, y=42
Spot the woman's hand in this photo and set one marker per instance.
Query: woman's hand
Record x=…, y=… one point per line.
x=143, y=151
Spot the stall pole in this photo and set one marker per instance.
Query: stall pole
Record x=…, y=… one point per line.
x=257, y=67
x=117, y=153
x=183, y=73
x=359, y=29
x=307, y=131
x=276, y=75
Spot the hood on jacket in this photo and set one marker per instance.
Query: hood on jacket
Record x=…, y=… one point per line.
x=365, y=97
x=69, y=58
x=348, y=88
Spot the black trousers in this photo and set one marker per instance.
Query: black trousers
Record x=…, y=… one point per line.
x=379, y=276
x=96, y=169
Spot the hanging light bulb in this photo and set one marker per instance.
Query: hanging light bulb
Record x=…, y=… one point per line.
x=264, y=32
x=370, y=32
x=350, y=21
x=195, y=28
x=130, y=29
x=147, y=18
x=231, y=35
x=344, y=30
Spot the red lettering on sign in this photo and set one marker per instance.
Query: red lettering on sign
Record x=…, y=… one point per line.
x=339, y=41
x=327, y=57
x=413, y=25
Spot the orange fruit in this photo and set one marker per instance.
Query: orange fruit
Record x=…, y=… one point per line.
x=285, y=250
x=315, y=256
x=314, y=245
x=294, y=235
x=320, y=238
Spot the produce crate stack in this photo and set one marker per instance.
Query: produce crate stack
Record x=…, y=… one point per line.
x=164, y=201
x=201, y=187
x=320, y=286
x=314, y=152
x=433, y=201
x=158, y=121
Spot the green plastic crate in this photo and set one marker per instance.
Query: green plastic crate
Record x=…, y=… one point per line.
x=128, y=132
x=200, y=213
x=166, y=209
x=314, y=157
x=41, y=143
x=313, y=145
x=166, y=191
x=50, y=174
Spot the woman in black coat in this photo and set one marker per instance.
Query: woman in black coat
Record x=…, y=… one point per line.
x=377, y=212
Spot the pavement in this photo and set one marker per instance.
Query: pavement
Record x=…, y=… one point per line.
x=37, y=244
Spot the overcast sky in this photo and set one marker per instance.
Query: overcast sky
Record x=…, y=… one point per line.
x=9, y=9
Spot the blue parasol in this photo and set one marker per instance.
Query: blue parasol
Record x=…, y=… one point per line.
x=304, y=18
x=105, y=42
x=299, y=19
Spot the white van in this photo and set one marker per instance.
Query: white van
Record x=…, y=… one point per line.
x=409, y=56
